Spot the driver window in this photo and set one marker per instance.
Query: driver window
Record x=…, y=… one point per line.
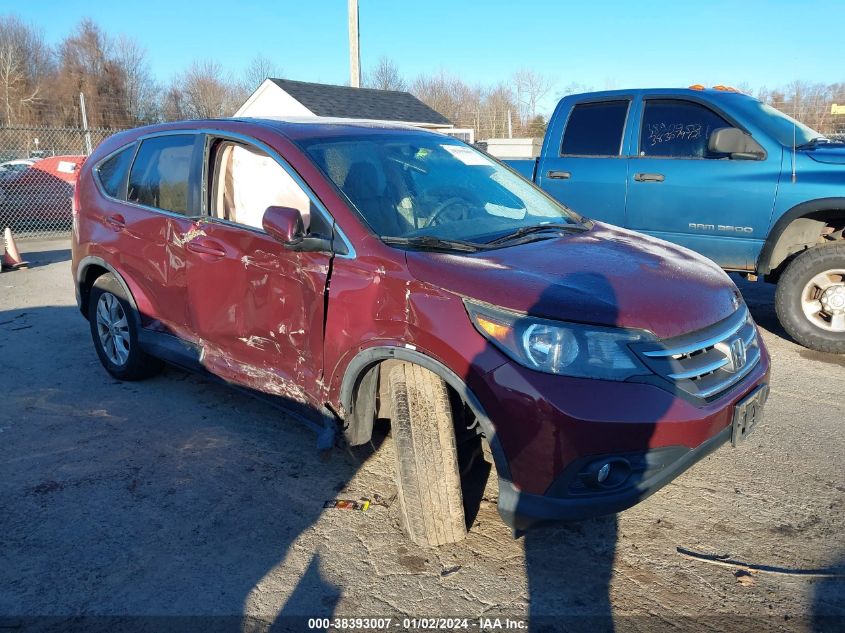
x=675, y=128
x=247, y=181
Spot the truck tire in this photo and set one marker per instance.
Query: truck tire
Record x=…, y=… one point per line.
x=114, y=328
x=427, y=476
x=810, y=298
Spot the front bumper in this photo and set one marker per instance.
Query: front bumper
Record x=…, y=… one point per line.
x=521, y=510
x=553, y=433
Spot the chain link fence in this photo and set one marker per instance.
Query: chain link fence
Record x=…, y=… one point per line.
x=38, y=169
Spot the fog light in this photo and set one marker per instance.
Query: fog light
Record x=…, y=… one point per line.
x=606, y=474
x=602, y=474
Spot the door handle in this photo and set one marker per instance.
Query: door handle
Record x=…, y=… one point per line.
x=212, y=250
x=117, y=222
x=643, y=177
x=559, y=175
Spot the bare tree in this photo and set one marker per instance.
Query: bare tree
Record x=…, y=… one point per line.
x=141, y=91
x=203, y=91
x=500, y=105
x=744, y=87
x=173, y=105
x=573, y=88
x=259, y=69
x=485, y=110
x=385, y=76
x=530, y=87
x=87, y=64
x=24, y=66
x=437, y=91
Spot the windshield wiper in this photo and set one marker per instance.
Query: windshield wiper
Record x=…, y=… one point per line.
x=818, y=140
x=538, y=228
x=429, y=242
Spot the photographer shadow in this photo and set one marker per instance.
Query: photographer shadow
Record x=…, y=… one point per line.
x=569, y=566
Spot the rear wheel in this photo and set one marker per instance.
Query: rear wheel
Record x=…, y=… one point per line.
x=114, y=329
x=427, y=475
x=810, y=298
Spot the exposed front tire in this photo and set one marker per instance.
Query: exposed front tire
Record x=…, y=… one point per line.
x=427, y=473
x=114, y=329
x=810, y=298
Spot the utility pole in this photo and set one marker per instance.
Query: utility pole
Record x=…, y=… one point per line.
x=354, y=42
x=88, y=147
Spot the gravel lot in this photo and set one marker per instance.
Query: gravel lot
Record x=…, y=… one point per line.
x=179, y=496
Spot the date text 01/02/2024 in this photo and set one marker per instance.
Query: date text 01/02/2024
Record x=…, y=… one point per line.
x=413, y=624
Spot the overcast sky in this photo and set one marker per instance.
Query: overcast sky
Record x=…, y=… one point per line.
x=601, y=44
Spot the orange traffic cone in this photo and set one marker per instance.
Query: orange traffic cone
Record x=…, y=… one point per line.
x=11, y=256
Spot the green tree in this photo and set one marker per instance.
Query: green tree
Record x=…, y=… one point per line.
x=536, y=126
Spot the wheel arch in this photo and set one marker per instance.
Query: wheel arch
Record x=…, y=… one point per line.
x=360, y=382
x=89, y=270
x=797, y=229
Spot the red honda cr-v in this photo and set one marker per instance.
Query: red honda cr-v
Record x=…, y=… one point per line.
x=362, y=271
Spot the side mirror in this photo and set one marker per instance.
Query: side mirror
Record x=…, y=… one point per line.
x=730, y=140
x=284, y=224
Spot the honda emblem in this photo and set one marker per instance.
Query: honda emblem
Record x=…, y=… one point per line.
x=737, y=355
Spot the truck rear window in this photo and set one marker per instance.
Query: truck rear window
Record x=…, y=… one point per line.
x=595, y=129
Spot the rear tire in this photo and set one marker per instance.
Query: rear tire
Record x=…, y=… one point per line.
x=427, y=473
x=115, y=332
x=815, y=318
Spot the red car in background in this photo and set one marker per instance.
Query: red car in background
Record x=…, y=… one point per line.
x=40, y=196
x=360, y=272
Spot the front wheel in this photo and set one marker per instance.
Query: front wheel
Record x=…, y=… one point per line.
x=810, y=298
x=426, y=456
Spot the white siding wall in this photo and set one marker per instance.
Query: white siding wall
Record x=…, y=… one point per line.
x=514, y=147
x=270, y=100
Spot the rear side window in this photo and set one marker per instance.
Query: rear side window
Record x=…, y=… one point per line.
x=678, y=129
x=161, y=173
x=595, y=129
x=112, y=172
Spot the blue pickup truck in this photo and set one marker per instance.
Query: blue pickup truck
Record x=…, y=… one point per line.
x=716, y=171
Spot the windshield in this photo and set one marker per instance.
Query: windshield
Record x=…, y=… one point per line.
x=777, y=123
x=410, y=185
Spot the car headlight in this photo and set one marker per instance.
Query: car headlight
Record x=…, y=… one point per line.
x=558, y=347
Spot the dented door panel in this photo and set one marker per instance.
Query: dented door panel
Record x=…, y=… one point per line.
x=257, y=310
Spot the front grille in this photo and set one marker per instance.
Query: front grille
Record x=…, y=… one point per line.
x=709, y=361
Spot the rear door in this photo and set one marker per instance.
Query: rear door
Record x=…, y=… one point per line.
x=588, y=172
x=680, y=192
x=256, y=307
x=152, y=200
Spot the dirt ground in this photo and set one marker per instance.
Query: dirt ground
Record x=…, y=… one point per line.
x=181, y=497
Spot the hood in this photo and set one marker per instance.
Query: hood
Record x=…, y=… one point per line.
x=832, y=155
x=605, y=276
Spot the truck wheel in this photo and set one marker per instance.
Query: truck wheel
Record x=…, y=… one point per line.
x=114, y=328
x=426, y=456
x=810, y=298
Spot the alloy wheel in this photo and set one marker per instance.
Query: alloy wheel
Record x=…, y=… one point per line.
x=113, y=329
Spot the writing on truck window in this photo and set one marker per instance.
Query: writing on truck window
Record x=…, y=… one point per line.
x=676, y=128
x=662, y=132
